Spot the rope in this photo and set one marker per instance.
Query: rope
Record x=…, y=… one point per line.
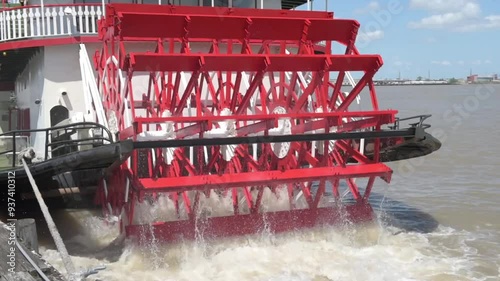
x=68, y=264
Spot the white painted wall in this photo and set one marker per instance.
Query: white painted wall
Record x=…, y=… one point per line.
x=50, y=72
x=62, y=74
x=29, y=87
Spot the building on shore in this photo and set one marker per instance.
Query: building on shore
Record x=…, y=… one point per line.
x=475, y=78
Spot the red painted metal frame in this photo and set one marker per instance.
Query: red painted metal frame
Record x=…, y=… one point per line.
x=112, y=11
x=48, y=41
x=238, y=44
x=272, y=222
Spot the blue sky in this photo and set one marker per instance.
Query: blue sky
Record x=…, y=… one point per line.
x=446, y=37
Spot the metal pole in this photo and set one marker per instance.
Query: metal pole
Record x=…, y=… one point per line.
x=326, y=5
x=103, y=9
x=262, y=4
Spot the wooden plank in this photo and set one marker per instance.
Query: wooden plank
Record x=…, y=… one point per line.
x=20, y=276
x=23, y=269
x=26, y=232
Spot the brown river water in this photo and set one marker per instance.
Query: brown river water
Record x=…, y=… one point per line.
x=439, y=219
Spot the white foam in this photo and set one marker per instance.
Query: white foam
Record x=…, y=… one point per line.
x=366, y=252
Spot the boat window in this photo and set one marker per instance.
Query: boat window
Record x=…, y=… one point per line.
x=216, y=3
x=251, y=4
x=171, y=2
x=234, y=3
x=19, y=119
x=122, y=1
x=58, y=114
x=188, y=2
x=112, y=1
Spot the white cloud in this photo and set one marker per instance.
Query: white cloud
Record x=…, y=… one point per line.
x=438, y=6
x=489, y=22
x=444, y=62
x=402, y=63
x=455, y=15
x=372, y=6
x=487, y=62
x=460, y=62
x=476, y=62
x=371, y=35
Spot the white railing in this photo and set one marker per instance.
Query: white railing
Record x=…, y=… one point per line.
x=50, y=21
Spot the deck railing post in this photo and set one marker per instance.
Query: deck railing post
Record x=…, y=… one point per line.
x=2, y=33
x=104, y=9
x=14, y=158
x=46, y=144
x=42, y=8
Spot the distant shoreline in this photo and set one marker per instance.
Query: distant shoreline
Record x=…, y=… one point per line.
x=392, y=85
x=436, y=84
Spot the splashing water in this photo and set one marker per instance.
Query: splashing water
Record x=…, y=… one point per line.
x=354, y=252
x=365, y=252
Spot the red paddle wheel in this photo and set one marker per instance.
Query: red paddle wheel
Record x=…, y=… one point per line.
x=235, y=123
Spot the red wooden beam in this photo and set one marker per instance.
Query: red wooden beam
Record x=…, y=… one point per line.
x=386, y=116
x=48, y=41
x=254, y=62
x=112, y=11
x=264, y=177
x=137, y=26
x=274, y=222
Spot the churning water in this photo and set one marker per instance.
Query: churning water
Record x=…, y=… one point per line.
x=439, y=219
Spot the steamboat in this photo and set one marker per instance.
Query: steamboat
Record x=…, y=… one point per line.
x=123, y=104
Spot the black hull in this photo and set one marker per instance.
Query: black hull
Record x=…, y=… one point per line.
x=410, y=148
x=80, y=169
x=83, y=169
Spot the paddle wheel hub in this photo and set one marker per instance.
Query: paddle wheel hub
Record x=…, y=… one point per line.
x=239, y=128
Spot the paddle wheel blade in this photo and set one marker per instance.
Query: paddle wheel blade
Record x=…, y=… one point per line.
x=203, y=92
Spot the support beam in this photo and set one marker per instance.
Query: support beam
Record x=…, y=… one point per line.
x=135, y=26
x=272, y=139
x=262, y=178
x=251, y=62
